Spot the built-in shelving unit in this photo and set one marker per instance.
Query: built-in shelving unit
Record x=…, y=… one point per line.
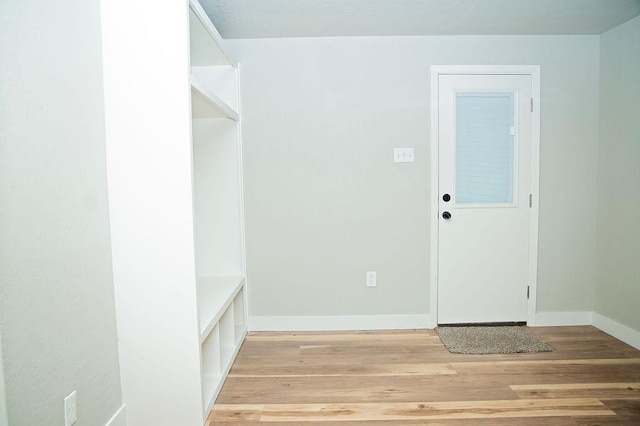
x=174, y=169
x=217, y=202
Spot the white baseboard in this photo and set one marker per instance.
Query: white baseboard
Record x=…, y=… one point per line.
x=346, y=322
x=563, y=318
x=119, y=418
x=617, y=330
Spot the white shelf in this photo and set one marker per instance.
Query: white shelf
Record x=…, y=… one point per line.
x=206, y=42
x=206, y=104
x=215, y=294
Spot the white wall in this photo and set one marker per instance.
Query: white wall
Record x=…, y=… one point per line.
x=56, y=294
x=618, y=286
x=325, y=203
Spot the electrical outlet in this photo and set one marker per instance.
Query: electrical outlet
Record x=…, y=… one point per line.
x=70, y=405
x=371, y=279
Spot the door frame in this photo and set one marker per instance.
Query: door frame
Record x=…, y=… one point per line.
x=534, y=72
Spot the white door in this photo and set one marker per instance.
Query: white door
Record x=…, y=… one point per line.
x=484, y=205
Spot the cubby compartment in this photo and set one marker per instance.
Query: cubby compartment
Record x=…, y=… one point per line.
x=211, y=366
x=218, y=80
x=205, y=43
x=214, y=77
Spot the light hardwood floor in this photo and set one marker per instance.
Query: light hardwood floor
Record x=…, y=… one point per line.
x=407, y=377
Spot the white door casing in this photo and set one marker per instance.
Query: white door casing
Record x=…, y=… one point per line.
x=485, y=255
x=3, y=399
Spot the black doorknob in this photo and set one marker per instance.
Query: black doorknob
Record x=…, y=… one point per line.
x=446, y=197
x=446, y=215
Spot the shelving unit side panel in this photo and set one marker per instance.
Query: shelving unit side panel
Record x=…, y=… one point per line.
x=241, y=201
x=244, y=301
x=149, y=176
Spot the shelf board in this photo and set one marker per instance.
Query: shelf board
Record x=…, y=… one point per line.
x=205, y=104
x=215, y=294
x=206, y=42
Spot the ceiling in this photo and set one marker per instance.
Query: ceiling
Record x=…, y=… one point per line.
x=327, y=18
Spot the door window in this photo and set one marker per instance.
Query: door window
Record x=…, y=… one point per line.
x=485, y=148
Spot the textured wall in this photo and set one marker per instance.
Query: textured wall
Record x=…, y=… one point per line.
x=56, y=291
x=618, y=289
x=325, y=203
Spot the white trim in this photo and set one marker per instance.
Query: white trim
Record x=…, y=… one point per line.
x=4, y=418
x=545, y=319
x=617, y=330
x=485, y=69
x=119, y=418
x=435, y=176
x=243, y=231
x=346, y=322
x=535, y=192
x=534, y=72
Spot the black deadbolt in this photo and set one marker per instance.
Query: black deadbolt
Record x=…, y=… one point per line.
x=446, y=197
x=446, y=215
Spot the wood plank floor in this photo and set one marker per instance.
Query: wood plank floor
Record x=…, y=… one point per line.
x=407, y=377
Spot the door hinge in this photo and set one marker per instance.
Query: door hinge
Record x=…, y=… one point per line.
x=530, y=200
x=528, y=291
x=531, y=104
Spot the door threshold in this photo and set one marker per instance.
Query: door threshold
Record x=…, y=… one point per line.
x=486, y=324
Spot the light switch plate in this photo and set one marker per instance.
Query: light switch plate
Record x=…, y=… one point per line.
x=70, y=407
x=403, y=155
